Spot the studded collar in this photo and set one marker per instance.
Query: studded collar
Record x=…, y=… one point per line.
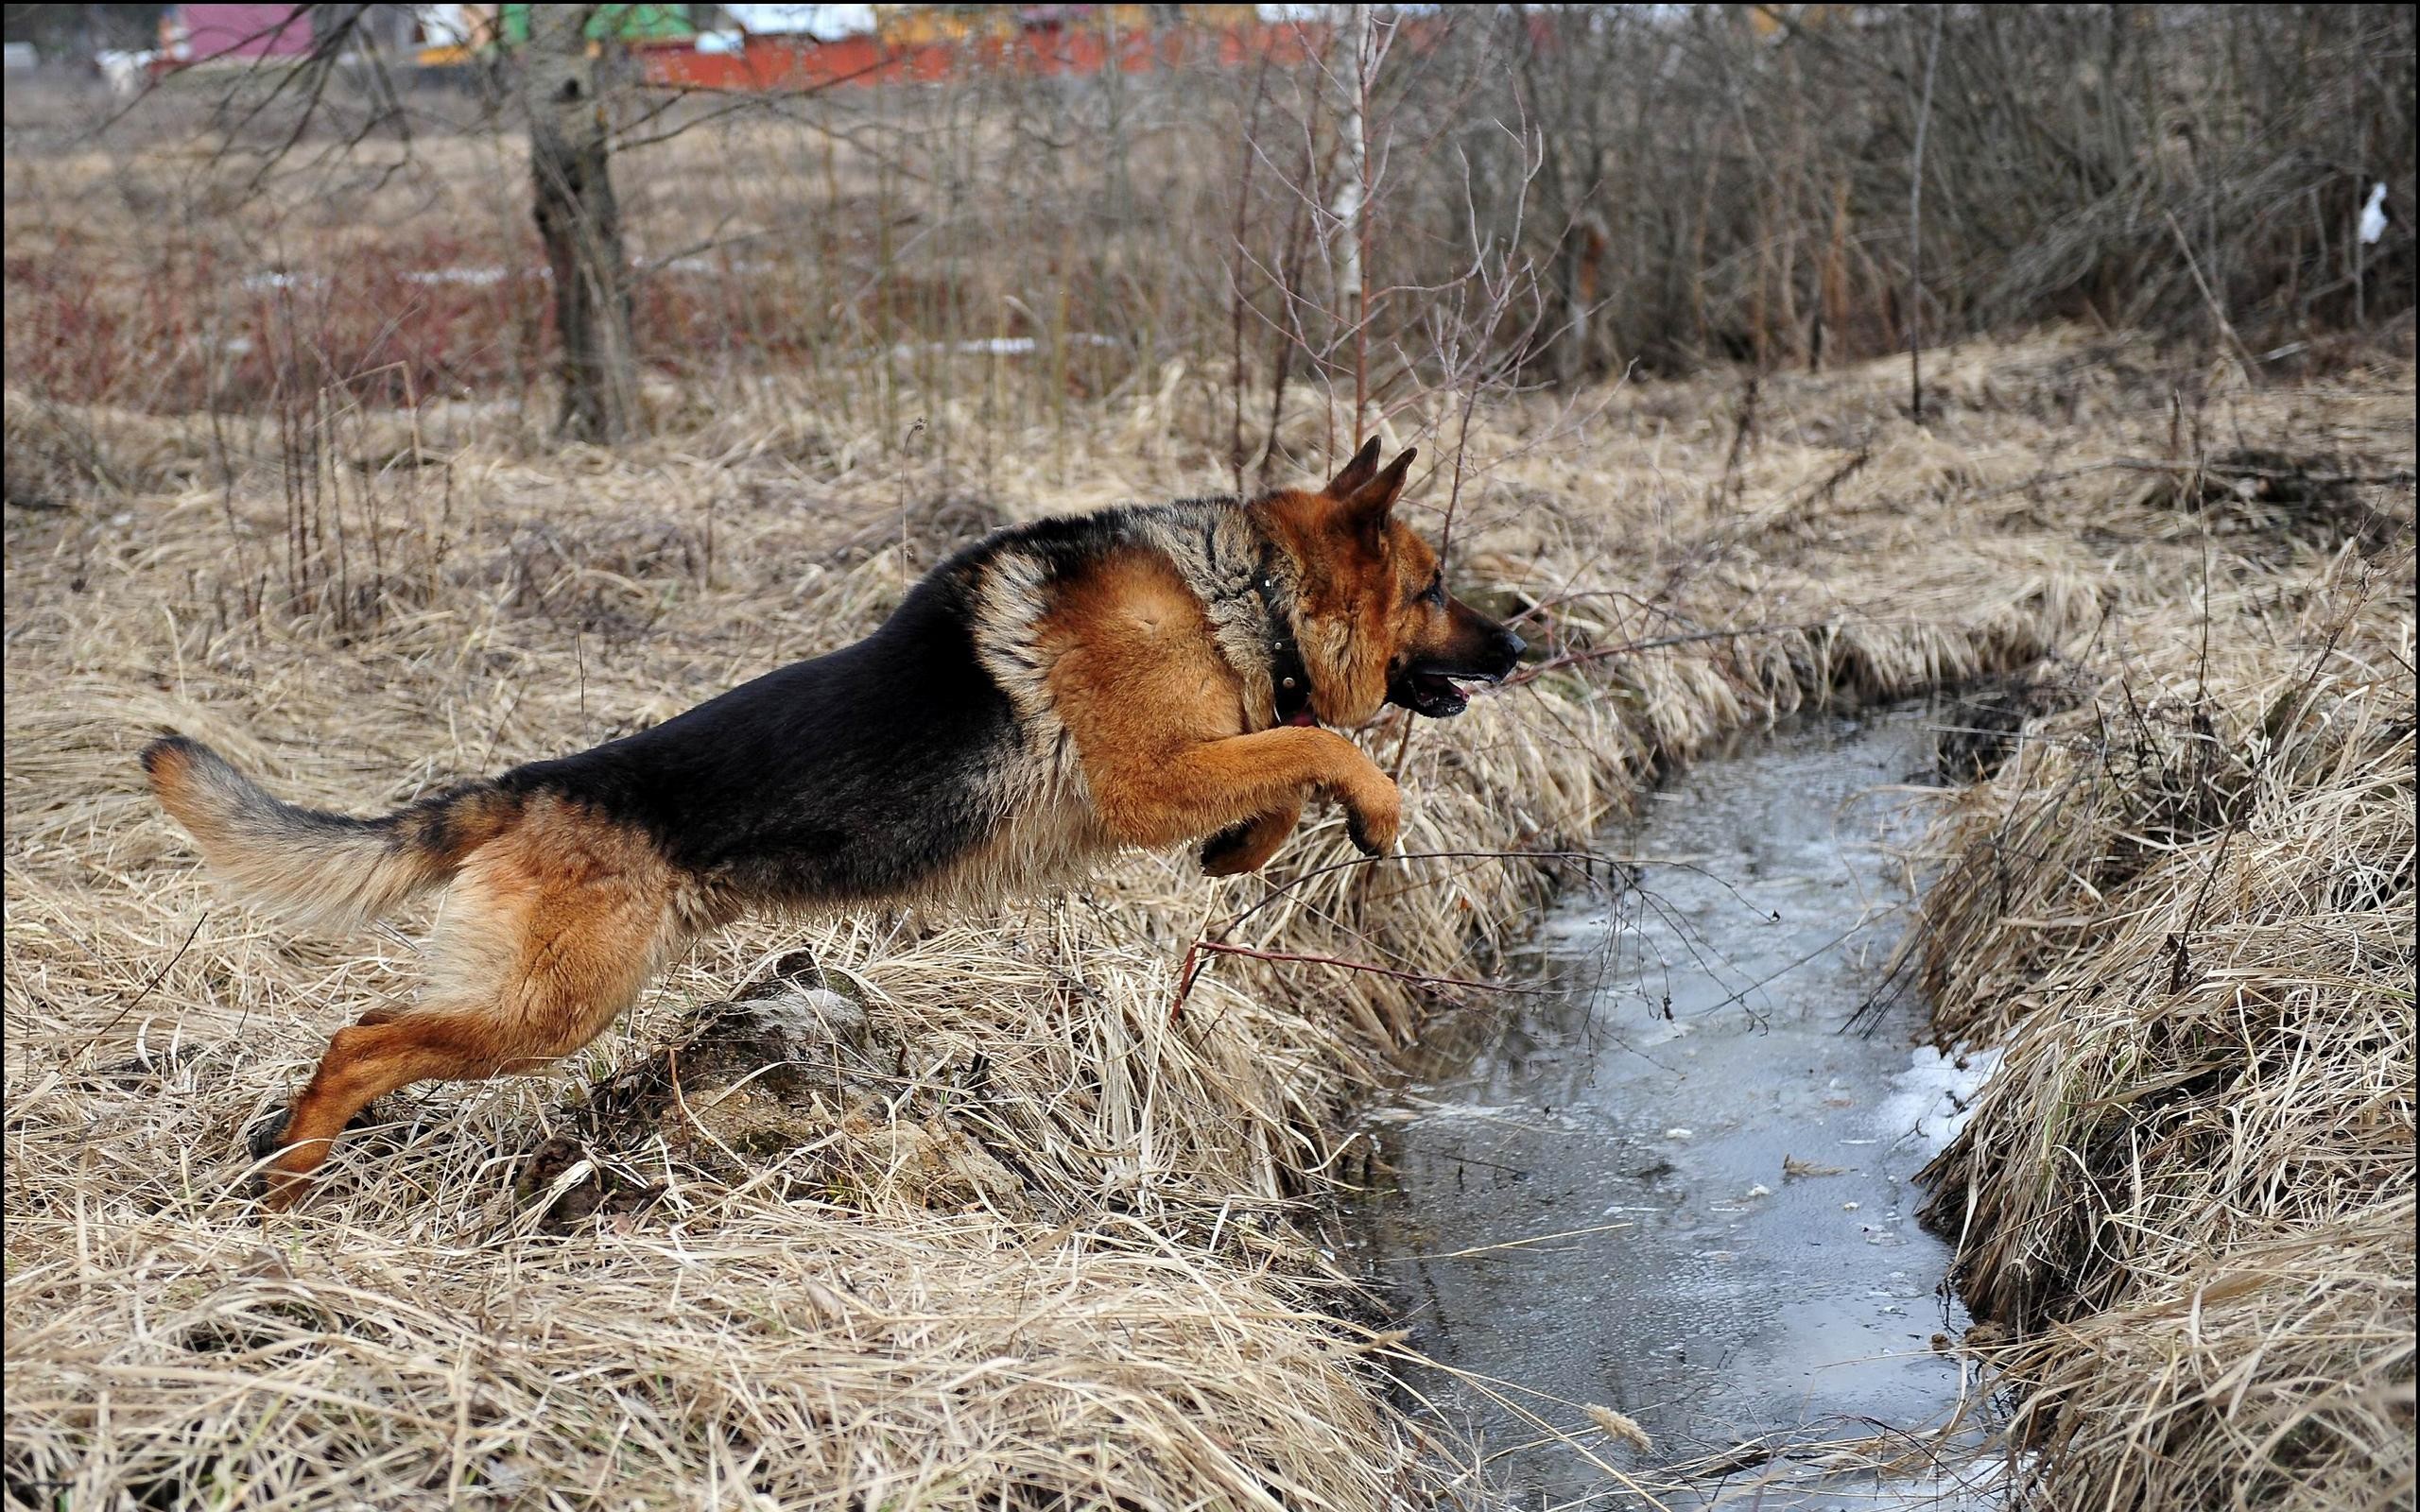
x=1289, y=679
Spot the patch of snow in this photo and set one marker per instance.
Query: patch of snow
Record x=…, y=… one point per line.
x=824, y=22
x=123, y=71
x=1933, y=1097
x=810, y=1015
x=2373, y=216
x=475, y=277
x=1001, y=345
x=709, y=265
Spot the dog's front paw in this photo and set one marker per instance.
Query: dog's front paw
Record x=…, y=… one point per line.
x=281, y=1190
x=1374, y=823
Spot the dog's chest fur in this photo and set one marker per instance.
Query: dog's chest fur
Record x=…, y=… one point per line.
x=1048, y=829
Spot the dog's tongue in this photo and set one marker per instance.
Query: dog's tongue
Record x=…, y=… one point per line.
x=1305, y=718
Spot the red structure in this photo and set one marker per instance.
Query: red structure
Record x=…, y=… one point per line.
x=1072, y=42
x=791, y=63
x=201, y=34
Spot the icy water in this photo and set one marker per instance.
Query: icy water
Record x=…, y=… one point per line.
x=1679, y=1184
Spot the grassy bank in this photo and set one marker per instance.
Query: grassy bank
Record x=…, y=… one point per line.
x=2185, y=904
x=1028, y=1239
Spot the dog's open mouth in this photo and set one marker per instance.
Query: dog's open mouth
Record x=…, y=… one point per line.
x=1430, y=694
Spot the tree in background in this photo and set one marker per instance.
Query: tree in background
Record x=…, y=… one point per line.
x=340, y=91
x=581, y=224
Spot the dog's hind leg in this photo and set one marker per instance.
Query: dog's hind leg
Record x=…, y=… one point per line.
x=1246, y=847
x=366, y=1062
x=547, y=938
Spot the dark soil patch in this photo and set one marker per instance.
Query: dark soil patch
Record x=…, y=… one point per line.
x=1981, y=726
x=2255, y=490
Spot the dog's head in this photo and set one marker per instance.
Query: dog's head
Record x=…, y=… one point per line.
x=1374, y=621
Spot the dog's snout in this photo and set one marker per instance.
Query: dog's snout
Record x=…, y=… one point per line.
x=1482, y=648
x=1507, y=652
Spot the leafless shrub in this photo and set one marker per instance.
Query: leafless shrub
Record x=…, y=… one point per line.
x=1679, y=185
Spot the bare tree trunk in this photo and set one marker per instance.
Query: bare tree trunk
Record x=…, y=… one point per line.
x=1351, y=294
x=1917, y=230
x=581, y=225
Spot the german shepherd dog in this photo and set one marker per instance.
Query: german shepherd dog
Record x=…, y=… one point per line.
x=1149, y=676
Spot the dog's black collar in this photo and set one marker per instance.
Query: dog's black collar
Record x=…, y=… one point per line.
x=1289, y=679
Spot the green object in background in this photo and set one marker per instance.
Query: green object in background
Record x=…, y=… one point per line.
x=617, y=22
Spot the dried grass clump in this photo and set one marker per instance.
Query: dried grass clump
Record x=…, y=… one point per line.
x=59, y=453
x=2277, y=1374
x=2185, y=907
x=1005, y=1231
x=753, y=1354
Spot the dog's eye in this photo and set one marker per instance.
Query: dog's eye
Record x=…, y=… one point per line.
x=1435, y=592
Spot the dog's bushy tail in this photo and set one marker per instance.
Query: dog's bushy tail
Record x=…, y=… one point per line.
x=315, y=866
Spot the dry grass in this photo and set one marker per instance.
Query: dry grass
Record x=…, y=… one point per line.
x=1030, y=1242
x=2186, y=907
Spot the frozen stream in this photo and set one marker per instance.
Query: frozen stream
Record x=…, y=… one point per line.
x=1701, y=1217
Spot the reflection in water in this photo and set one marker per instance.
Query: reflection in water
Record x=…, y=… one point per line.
x=1680, y=1189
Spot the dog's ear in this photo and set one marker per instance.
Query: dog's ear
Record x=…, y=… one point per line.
x=1364, y=467
x=1365, y=510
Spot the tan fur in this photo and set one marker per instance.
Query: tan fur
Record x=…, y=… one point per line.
x=1158, y=716
x=548, y=933
x=272, y=852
